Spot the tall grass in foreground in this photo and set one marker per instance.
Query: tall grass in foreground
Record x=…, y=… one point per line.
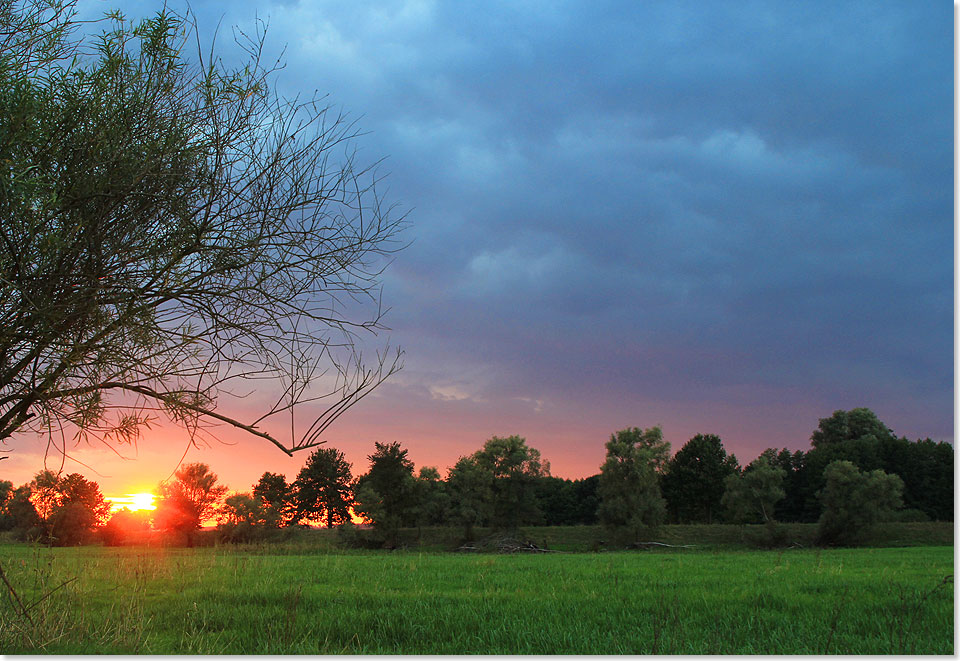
x=215, y=601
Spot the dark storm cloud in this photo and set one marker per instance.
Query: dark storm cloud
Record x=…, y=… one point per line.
x=666, y=200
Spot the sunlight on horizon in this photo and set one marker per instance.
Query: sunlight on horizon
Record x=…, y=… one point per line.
x=132, y=501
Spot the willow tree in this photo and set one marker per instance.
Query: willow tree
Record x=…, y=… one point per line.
x=631, y=503
x=174, y=235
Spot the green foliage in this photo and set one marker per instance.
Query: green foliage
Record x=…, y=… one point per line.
x=471, y=495
x=752, y=496
x=242, y=518
x=6, y=496
x=629, y=489
x=323, y=490
x=21, y=513
x=854, y=500
x=557, y=499
x=386, y=495
x=513, y=469
x=432, y=498
x=693, y=483
x=858, y=436
x=797, y=493
x=189, y=500
x=63, y=510
x=926, y=469
x=851, y=425
x=276, y=498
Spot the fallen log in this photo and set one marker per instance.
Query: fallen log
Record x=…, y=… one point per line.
x=669, y=546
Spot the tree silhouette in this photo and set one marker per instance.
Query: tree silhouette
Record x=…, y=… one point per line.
x=276, y=497
x=68, y=507
x=187, y=501
x=322, y=489
x=693, y=483
x=385, y=494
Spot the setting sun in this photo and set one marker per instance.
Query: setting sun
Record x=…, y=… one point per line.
x=132, y=501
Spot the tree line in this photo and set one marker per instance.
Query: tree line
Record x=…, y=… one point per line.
x=857, y=472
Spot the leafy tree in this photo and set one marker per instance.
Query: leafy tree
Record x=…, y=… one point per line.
x=851, y=425
x=386, y=494
x=752, y=496
x=322, y=489
x=432, y=498
x=513, y=469
x=22, y=513
x=629, y=489
x=588, y=499
x=926, y=469
x=169, y=227
x=693, y=483
x=67, y=508
x=81, y=509
x=858, y=436
x=854, y=500
x=190, y=499
x=43, y=492
x=471, y=495
x=276, y=498
x=793, y=506
x=6, y=495
x=241, y=517
x=557, y=500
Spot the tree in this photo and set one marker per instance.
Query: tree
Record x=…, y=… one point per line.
x=513, y=469
x=926, y=469
x=847, y=426
x=854, y=500
x=471, y=495
x=188, y=501
x=68, y=508
x=21, y=513
x=169, y=228
x=322, y=489
x=276, y=498
x=752, y=496
x=6, y=496
x=693, y=482
x=241, y=517
x=588, y=499
x=557, y=500
x=858, y=436
x=432, y=498
x=385, y=495
x=794, y=505
x=629, y=490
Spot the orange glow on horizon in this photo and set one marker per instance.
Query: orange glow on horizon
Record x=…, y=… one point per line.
x=132, y=502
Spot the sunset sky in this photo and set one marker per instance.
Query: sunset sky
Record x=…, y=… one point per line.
x=720, y=217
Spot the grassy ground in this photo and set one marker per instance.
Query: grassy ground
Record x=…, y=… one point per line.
x=262, y=601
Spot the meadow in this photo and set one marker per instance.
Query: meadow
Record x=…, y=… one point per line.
x=275, y=600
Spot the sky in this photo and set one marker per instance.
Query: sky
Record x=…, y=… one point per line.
x=725, y=217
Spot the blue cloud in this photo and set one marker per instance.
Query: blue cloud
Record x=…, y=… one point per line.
x=656, y=199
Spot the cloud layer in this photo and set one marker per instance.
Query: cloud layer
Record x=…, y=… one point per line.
x=724, y=217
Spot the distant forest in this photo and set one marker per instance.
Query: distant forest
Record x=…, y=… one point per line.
x=857, y=471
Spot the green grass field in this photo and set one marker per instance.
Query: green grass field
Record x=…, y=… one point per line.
x=261, y=601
